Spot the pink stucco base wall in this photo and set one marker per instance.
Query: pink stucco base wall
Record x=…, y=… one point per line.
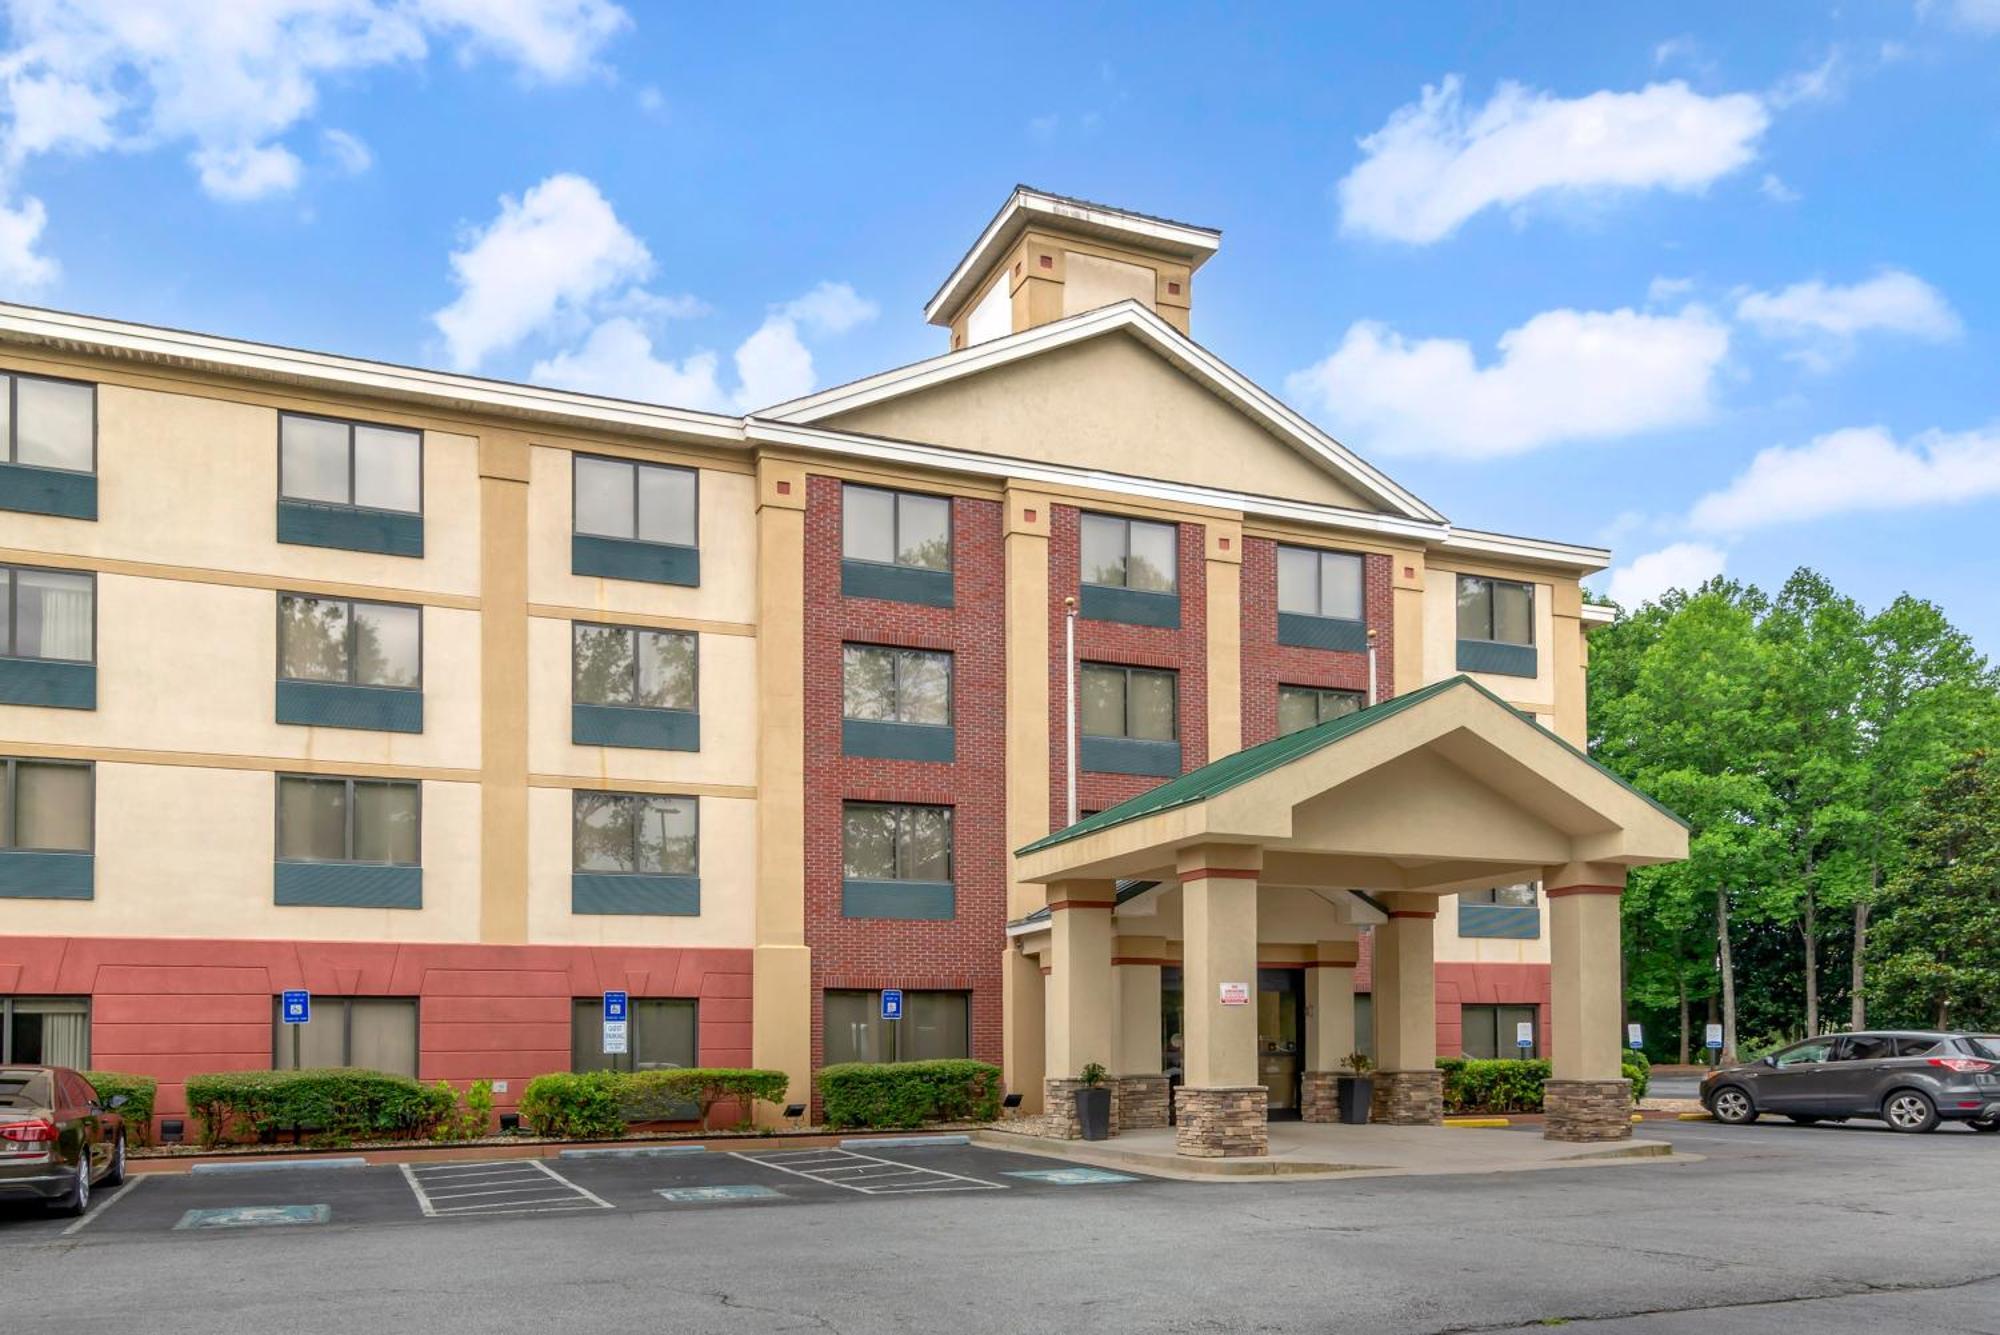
x=173, y=1008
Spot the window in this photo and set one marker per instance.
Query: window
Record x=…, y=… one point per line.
x=934, y=1025
x=45, y=1031
x=46, y=806
x=638, y=669
x=49, y=423
x=1492, y=1031
x=1304, y=706
x=895, y=528
x=618, y=498
x=1136, y=703
x=374, y=821
x=1130, y=554
x=50, y=614
x=333, y=462
x=1497, y=610
x=641, y=834
x=660, y=1034
x=366, y=1033
x=1866, y=1048
x=1984, y=1045
x=1319, y=584
x=347, y=642
x=1922, y=1046
x=1802, y=1054
x=1512, y=896
x=884, y=685
x=895, y=843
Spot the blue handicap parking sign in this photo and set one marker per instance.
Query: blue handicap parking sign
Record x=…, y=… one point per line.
x=614, y=1006
x=296, y=1006
x=892, y=1003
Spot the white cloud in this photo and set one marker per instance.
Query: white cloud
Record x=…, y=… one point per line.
x=1437, y=163
x=348, y=152
x=1680, y=565
x=1663, y=289
x=542, y=260
x=1978, y=15
x=1854, y=470
x=1823, y=82
x=617, y=360
x=1773, y=188
x=237, y=174
x=20, y=230
x=1565, y=375
x=1893, y=301
x=555, y=40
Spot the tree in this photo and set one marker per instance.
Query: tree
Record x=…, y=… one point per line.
x=1938, y=942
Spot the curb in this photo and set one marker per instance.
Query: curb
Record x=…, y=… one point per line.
x=904, y=1142
x=635, y=1152
x=1694, y=1117
x=1475, y=1123
x=278, y=1166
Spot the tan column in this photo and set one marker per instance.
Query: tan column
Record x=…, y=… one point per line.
x=1406, y=579
x=503, y=688
x=1027, y=537
x=1224, y=575
x=1022, y=1024
x=1569, y=664
x=1079, y=993
x=1584, y=970
x=1219, y=935
x=1406, y=985
x=1330, y=1005
x=781, y=997
x=1135, y=983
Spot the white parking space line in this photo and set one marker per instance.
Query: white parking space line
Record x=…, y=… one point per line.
x=867, y=1174
x=517, y=1186
x=82, y=1221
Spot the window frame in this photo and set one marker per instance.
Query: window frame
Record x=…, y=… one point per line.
x=896, y=683
x=350, y=782
x=10, y=803
x=13, y=441
x=1490, y=581
x=1173, y=677
x=353, y=660
x=575, y=816
x=10, y=632
x=9, y=1001
x=894, y=1031
x=351, y=423
x=1321, y=555
x=1504, y=1046
x=628, y=1060
x=577, y=457
x=280, y=1030
x=898, y=834
x=897, y=495
x=1125, y=523
x=693, y=637
x=1320, y=694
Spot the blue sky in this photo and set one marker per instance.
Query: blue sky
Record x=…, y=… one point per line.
x=1715, y=285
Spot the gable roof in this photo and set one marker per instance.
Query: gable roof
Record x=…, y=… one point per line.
x=1134, y=319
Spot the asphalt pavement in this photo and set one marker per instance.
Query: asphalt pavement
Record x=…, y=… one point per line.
x=1776, y=1228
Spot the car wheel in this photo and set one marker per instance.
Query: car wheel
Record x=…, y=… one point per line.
x=78, y=1199
x=1991, y=1124
x=1909, y=1110
x=1733, y=1106
x=115, y=1175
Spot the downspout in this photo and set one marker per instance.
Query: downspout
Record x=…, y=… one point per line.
x=1069, y=707
x=1373, y=693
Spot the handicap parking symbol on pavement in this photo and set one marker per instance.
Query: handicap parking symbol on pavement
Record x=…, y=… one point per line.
x=254, y=1216
x=708, y=1195
x=1072, y=1177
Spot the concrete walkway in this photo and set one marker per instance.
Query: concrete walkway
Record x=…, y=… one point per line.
x=1300, y=1149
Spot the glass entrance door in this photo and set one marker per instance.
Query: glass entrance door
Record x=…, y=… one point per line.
x=1281, y=1010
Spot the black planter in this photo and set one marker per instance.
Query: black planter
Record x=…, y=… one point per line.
x=1356, y=1093
x=1093, y=1112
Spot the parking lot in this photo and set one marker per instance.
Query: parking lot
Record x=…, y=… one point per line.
x=1765, y=1228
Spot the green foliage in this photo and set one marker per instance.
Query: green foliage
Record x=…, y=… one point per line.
x=574, y=1106
x=601, y=1104
x=1093, y=1074
x=336, y=1105
x=1509, y=1084
x=1938, y=944
x=1358, y=1062
x=139, y=1091
x=906, y=1094
x=471, y=1114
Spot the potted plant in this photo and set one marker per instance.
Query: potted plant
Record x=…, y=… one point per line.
x=1356, y=1090
x=1093, y=1104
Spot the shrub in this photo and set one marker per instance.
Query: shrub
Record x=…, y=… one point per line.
x=335, y=1105
x=577, y=1107
x=470, y=1119
x=905, y=1094
x=1510, y=1085
x=139, y=1090
x=1640, y=1076
x=599, y=1104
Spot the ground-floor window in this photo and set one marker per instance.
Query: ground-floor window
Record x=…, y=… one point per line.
x=45, y=1031
x=1490, y=1031
x=366, y=1033
x=661, y=1034
x=1364, y=1024
x=934, y=1024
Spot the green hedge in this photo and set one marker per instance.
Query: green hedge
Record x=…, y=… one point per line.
x=599, y=1104
x=334, y=1105
x=139, y=1090
x=906, y=1094
x=1509, y=1085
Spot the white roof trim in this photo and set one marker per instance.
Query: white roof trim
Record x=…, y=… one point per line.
x=1131, y=317
x=149, y=343
x=1472, y=542
x=1598, y=614
x=1025, y=206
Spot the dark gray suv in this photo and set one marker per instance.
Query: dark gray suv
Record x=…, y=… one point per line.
x=1911, y=1080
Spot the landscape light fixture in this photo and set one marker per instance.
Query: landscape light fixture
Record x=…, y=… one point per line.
x=794, y=1111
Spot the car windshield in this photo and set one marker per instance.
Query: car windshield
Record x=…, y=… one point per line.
x=1984, y=1045
x=24, y=1089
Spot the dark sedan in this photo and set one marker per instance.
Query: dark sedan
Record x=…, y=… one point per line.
x=1910, y=1079
x=58, y=1140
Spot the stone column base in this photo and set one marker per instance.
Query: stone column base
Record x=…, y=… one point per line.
x=1320, y=1100
x=1059, y=1119
x=1138, y=1102
x=1408, y=1098
x=1587, y=1110
x=1221, y=1122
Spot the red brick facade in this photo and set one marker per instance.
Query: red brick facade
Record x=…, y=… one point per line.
x=1267, y=665
x=964, y=953
x=1184, y=650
